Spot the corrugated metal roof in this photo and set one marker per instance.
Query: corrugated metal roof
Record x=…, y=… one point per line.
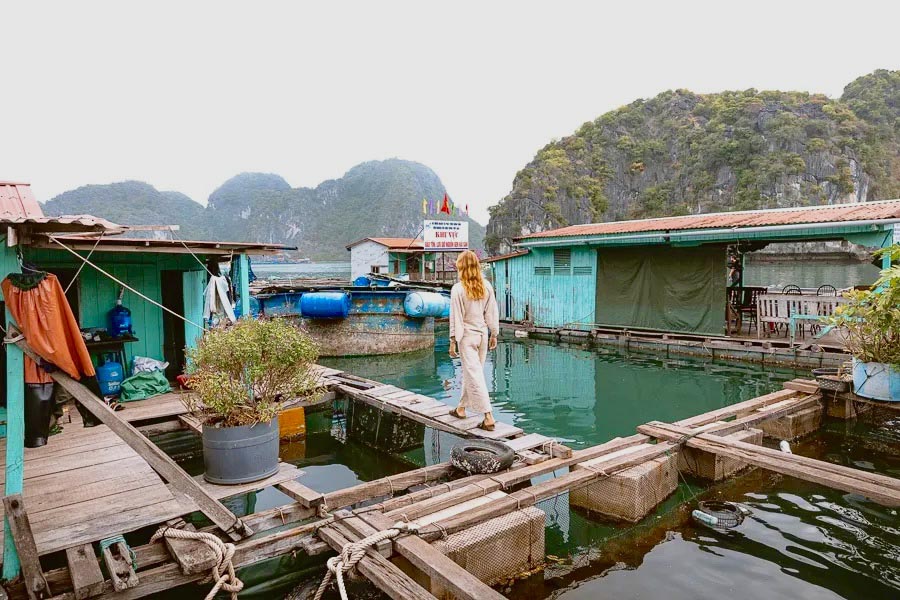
x=392, y=243
x=834, y=213
x=171, y=246
x=17, y=201
x=505, y=256
x=63, y=223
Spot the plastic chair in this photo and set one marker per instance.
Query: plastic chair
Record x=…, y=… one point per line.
x=826, y=290
x=791, y=289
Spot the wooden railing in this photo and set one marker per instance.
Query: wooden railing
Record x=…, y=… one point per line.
x=778, y=308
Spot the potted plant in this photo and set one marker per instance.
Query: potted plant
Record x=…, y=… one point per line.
x=871, y=321
x=238, y=378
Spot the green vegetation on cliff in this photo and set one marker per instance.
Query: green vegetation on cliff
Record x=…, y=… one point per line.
x=683, y=153
x=376, y=198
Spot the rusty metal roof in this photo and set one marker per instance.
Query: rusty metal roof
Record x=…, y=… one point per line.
x=17, y=201
x=832, y=213
x=392, y=243
x=131, y=244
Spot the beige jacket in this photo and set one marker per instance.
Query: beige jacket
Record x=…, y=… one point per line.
x=473, y=315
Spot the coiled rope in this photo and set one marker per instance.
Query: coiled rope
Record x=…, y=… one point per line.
x=353, y=552
x=222, y=572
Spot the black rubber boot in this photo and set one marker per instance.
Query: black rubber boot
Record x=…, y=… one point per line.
x=87, y=417
x=39, y=400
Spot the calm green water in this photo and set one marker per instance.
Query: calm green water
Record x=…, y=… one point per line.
x=809, y=274
x=802, y=541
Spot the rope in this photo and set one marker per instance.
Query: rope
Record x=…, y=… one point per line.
x=81, y=266
x=118, y=539
x=222, y=572
x=128, y=287
x=353, y=552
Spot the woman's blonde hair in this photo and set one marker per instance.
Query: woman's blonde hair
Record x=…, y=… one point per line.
x=469, y=268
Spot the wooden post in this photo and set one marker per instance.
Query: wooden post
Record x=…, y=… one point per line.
x=15, y=445
x=243, y=283
x=35, y=583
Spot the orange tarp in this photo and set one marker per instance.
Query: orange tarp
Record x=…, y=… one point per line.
x=46, y=320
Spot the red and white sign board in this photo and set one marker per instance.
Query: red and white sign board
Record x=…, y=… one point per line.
x=446, y=235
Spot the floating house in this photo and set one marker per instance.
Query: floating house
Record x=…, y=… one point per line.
x=94, y=261
x=667, y=274
x=403, y=258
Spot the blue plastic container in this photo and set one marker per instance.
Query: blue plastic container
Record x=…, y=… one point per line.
x=109, y=377
x=362, y=281
x=878, y=381
x=119, y=321
x=325, y=305
x=426, y=304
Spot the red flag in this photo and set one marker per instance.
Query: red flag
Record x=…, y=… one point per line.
x=445, y=207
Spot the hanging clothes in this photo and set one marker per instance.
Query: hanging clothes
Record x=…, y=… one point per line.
x=39, y=306
x=216, y=300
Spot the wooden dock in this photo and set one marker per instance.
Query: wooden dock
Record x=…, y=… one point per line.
x=120, y=490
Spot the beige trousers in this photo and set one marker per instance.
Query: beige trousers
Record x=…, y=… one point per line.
x=473, y=352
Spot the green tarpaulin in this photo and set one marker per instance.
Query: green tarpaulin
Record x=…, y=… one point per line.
x=666, y=288
x=145, y=384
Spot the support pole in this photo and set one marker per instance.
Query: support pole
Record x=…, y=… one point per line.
x=244, y=284
x=15, y=445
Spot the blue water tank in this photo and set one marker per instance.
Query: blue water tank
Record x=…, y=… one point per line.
x=325, y=305
x=254, y=307
x=426, y=304
x=119, y=321
x=362, y=281
x=109, y=377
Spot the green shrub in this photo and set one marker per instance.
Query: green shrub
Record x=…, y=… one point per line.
x=239, y=375
x=871, y=319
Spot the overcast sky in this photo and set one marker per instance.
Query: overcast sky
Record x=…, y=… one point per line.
x=184, y=95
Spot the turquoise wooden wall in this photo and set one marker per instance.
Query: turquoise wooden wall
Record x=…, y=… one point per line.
x=194, y=284
x=555, y=295
x=142, y=271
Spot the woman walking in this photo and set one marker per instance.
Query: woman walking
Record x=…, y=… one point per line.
x=474, y=325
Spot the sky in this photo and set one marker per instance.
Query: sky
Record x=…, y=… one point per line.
x=184, y=95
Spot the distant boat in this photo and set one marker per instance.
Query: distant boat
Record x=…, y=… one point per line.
x=304, y=261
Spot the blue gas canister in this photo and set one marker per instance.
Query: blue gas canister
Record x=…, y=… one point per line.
x=110, y=376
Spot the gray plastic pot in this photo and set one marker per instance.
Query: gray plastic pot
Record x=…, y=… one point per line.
x=234, y=455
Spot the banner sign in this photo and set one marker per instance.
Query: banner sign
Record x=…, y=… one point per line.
x=446, y=235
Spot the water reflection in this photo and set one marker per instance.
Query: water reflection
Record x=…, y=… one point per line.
x=802, y=541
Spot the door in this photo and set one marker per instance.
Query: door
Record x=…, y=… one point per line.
x=173, y=327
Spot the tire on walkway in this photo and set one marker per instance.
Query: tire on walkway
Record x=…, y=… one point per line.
x=481, y=456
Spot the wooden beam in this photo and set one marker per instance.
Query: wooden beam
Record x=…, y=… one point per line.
x=117, y=559
x=386, y=485
x=732, y=410
x=20, y=529
x=878, y=488
x=764, y=414
x=305, y=496
x=87, y=578
x=440, y=569
x=379, y=570
x=193, y=556
x=167, y=468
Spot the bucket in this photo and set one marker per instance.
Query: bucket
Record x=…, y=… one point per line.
x=234, y=455
x=878, y=381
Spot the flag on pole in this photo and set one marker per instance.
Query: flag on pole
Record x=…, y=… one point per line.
x=467, y=209
x=445, y=207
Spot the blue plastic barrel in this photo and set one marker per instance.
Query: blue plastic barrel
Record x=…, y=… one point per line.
x=109, y=377
x=426, y=304
x=362, y=281
x=325, y=305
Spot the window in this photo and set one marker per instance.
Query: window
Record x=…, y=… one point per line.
x=588, y=270
x=541, y=270
x=375, y=269
x=562, y=261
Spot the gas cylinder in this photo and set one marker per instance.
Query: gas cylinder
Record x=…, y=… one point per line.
x=110, y=376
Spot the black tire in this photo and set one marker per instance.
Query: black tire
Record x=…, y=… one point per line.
x=482, y=456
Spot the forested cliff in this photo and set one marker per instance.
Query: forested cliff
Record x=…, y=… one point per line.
x=684, y=153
